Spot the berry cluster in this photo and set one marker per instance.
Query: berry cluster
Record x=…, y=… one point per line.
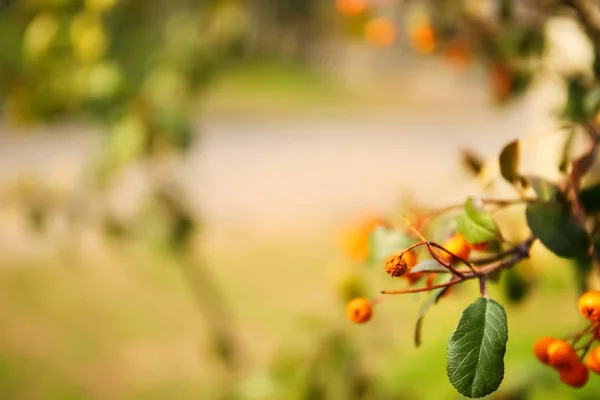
x=400, y=264
x=567, y=355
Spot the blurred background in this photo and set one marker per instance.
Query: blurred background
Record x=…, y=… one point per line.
x=175, y=177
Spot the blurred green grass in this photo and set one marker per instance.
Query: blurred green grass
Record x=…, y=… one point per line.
x=125, y=326
x=266, y=86
x=270, y=88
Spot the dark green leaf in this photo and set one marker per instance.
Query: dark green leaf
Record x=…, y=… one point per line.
x=596, y=244
x=557, y=229
x=476, y=349
x=383, y=242
x=433, y=299
x=590, y=198
x=575, y=107
x=521, y=81
x=516, y=287
x=476, y=224
x=509, y=162
x=533, y=43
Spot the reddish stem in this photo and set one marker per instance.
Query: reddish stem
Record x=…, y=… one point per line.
x=425, y=289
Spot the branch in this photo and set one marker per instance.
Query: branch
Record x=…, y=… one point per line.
x=518, y=253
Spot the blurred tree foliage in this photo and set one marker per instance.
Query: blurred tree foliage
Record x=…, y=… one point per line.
x=137, y=68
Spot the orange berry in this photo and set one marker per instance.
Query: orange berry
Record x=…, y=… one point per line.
x=540, y=348
x=575, y=375
x=359, y=310
x=380, y=32
x=589, y=305
x=422, y=38
x=561, y=354
x=351, y=7
x=458, y=246
x=593, y=360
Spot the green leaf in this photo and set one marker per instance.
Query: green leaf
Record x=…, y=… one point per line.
x=383, y=242
x=521, y=81
x=590, y=198
x=544, y=189
x=434, y=297
x=429, y=265
x=516, y=287
x=476, y=349
x=575, y=107
x=558, y=230
x=509, y=162
x=476, y=224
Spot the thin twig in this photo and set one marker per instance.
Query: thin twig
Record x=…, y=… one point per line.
x=579, y=335
x=586, y=348
x=500, y=256
x=521, y=252
x=424, y=289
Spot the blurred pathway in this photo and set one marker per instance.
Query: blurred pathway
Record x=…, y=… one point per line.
x=272, y=175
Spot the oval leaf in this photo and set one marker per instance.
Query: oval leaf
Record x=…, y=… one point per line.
x=476, y=224
x=509, y=161
x=516, y=287
x=430, y=265
x=476, y=349
x=557, y=229
x=590, y=198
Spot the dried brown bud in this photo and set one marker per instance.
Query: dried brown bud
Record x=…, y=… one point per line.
x=395, y=265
